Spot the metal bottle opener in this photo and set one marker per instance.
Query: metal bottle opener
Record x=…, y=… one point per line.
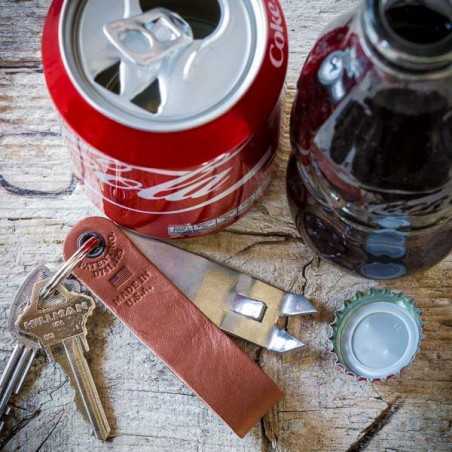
x=239, y=304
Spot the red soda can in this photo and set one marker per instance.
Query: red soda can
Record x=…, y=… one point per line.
x=170, y=110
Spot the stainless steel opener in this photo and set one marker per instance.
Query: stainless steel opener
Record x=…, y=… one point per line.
x=239, y=304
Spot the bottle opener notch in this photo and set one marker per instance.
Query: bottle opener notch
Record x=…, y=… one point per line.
x=238, y=303
x=252, y=309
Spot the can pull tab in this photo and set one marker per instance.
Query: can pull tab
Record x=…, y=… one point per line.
x=144, y=42
x=148, y=38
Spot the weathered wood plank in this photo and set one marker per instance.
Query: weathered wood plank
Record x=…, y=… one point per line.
x=148, y=407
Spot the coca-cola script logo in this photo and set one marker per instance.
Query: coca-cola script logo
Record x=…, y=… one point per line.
x=279, y=40
x=215, y=178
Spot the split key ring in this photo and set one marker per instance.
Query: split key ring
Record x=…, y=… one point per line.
x=64, y=272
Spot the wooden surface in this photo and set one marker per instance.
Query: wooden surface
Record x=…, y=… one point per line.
x=149, y=409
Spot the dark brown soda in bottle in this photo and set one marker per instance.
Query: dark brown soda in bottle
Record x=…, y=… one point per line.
x=369, y=181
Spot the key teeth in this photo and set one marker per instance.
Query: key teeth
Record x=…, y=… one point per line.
x=281, y=341
x=295, y=305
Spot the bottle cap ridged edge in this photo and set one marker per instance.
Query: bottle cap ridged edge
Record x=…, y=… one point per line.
x=352, y=304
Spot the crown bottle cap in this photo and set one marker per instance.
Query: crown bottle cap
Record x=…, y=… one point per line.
x=376, y=334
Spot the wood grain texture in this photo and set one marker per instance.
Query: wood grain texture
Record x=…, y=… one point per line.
x=149, y=408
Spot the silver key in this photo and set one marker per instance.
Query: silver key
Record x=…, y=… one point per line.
x=19, y=363
x=59, y=323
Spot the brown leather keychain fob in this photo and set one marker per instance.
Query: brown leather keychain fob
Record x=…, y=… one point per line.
x=167, y=322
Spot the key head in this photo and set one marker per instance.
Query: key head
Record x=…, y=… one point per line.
x=60, y=316
x=23, y=296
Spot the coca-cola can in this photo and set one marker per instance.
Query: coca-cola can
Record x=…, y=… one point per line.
x=170, y=109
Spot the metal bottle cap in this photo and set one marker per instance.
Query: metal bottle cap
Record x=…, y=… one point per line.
x=162, y=69
x=375, y=335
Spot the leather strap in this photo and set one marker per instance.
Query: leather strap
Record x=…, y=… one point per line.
x=166, y=321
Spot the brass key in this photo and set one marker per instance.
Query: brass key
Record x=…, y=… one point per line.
x=58, y=321
x=21, y=359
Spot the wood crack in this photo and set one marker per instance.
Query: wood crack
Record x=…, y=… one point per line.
x=147, y=391
x=18, y=407
x=262, y=234
x=61, y=414
x=37, y=134
x=20, y=426
x=369, y=433
x=270, y=422
x=316, y=410
x=139, y=435
x=65, y=382
x=262, y=243
x=34, y=66
x=270, y=439
x=303, y=273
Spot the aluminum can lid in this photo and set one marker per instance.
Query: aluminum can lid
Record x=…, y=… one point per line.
x=376, y=334
x=163, y=69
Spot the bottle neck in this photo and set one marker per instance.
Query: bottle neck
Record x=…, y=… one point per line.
x=414, y=35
